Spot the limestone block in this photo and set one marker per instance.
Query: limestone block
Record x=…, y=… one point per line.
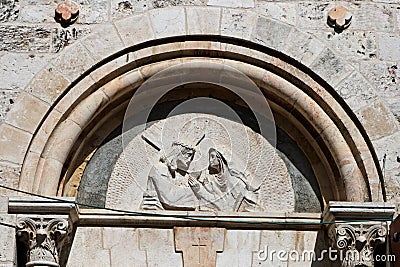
x=7, y=241
x=239, y=247
x=27, y=112
x=13, y=143
x=87, y=249
x=28, y=171
x=3, y=204
x=271, y=33
x=18, y=69
x=331, y=67
x=168, y=22
x=303, y=47
x=352, y=44
x=7, y=100
x=74, y=94
x=237, y=23
x=62, y=37
x=124, y=247
x=37, y=13
x=73, y=62
x=388, y=151
x=313, y=15
x=167, y=3
x=135, y=29
x=125, y=8
x=9, y=176
x=372, y=17
x=198, y=25
x=47, y=85
x=9, y=10
x=25, y=38
x=388, y=46
x=91, y=12
x=378, y=120
x=232, y=3
x=357, y=91
x=384, y=76
x=163, y=251
x=285, y=12
x=103, y=42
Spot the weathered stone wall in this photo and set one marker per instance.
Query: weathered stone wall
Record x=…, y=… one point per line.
x=135, y=247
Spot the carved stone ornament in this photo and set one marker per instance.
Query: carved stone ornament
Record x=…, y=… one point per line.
x=67, y=13
x=357, y=242
x=339, y=18
x=44, y=239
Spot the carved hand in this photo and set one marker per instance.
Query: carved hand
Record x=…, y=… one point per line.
x=194, y=184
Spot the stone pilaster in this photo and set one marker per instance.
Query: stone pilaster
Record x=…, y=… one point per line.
x=44, y=238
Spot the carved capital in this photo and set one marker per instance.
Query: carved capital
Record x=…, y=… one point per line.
x=357, y=242
x=44, y=238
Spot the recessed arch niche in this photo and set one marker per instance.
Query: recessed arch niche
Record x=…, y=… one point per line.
x=306, y=109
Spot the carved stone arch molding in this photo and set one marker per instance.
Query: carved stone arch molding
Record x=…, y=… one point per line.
x=297, y=78
x=332, y=138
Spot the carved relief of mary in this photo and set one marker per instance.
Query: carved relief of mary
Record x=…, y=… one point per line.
x=222, y=188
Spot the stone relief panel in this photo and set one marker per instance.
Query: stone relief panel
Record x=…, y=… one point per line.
x=200, y=162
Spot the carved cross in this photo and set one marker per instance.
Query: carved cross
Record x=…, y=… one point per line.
x=199, y=245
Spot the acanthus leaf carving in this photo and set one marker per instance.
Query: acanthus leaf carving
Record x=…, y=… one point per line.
x=44, y=239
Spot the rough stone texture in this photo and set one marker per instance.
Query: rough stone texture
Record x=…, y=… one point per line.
x=9, y=10
x=37, y=13
x=353, y=45
x=7, y=241
x=312, y=15
x=24, y=38
x=285, y=12
x=93, y=11
x=7, y=99
x=388, y=152
x=237, y=23
x=270, y=33
x=231, y=3
x=63, y=37
x=378, y=121
x=357, y=91
x=303, y=47
x=124, y=8
x=9, y=176
x=384, y=76
x=369, y=17
x=18, y=69
x=168, y=3
x=331, y=67
x=388, y=44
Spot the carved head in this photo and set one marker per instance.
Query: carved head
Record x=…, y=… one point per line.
x=216, y=161
x=181, y=157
